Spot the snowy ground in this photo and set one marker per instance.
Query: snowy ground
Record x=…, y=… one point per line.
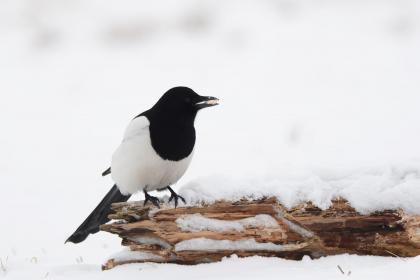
x=353, y=267
x=319, y=99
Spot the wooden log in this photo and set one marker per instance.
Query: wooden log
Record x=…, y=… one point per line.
x=207, y=233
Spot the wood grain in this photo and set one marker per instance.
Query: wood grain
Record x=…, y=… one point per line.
x=302, y=230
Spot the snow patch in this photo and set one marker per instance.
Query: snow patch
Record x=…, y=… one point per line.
x=151, y=241
x=294, y=227
x=198, y=222
x=127, y=255
x=205, y=244
x=298, y=229
x=367, y=189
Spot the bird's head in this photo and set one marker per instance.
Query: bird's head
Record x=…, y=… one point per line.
x=182, y=101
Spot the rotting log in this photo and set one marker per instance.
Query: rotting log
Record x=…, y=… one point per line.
x=209, y=232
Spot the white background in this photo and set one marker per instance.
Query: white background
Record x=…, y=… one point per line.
x=326, y=88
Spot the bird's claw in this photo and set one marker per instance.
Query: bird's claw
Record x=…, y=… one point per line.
x=154, y=200
x=175, y=197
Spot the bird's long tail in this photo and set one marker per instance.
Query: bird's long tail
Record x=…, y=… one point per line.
x=98, y=216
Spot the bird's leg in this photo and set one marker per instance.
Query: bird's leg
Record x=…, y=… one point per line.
x=175, y=196
x=154, y=200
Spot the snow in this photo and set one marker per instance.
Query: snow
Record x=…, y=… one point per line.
x=127, y=255
x=197, y=222
x=318, y=99
x=295, y=227
x=151, y=241
x=367, y=189
x=200, y=244
x=359, y=267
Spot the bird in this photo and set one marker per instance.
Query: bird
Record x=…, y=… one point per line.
x=155, y=152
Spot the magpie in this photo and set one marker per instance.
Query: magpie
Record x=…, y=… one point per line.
x=155, y=152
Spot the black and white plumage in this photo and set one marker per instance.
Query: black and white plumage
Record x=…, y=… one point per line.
x=155, y=152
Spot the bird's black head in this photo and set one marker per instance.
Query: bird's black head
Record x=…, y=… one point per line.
x=172, y=118
x=183, y=102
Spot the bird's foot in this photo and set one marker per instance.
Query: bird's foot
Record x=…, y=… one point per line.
x=154, y=200
x=175, y=197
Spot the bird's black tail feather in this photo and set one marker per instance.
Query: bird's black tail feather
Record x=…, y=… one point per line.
x=98, y=216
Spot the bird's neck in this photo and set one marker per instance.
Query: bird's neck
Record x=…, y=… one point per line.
x=173, y=138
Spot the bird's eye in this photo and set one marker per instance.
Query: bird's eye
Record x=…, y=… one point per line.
x=187, y=100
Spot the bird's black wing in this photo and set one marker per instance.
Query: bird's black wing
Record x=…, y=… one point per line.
x=106, y=172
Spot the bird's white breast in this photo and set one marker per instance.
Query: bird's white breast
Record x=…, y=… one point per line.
x=136, y=165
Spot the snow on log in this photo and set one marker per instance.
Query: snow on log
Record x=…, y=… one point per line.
x=207, y=233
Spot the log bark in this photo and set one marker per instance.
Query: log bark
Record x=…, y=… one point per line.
x=260, y=227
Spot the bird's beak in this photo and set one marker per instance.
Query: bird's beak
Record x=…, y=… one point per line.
x=206, y=101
